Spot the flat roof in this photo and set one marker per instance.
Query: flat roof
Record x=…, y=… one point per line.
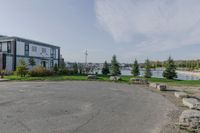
x=28, y=40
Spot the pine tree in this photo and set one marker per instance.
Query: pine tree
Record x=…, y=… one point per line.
x=105, y=69
x=80, y=68
x=147, y=72
x=55, y=68
x=31, y=61
x=115, y=68
x=75, y=68
x=170, y=69
x=62, y=65
x=135, y=69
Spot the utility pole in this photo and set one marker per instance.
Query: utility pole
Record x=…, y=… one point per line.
x=86, y=56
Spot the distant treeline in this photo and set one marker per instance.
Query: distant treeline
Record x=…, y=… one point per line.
x=180, y=64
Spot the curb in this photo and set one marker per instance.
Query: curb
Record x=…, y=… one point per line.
x=4, y=80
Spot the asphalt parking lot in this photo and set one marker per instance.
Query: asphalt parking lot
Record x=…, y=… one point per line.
x=80, y=107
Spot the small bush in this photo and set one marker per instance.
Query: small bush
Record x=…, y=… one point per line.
x=40, y=71
x=63, y=72
x=21, y=71
x=66, y=72
x=55, y=68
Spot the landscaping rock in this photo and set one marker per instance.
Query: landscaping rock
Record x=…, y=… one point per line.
x=181, y=94
x=153, y=85
x=192, y=103
x=138, y=81
x=115, y=78
x=190, y=119
x=161, y=87
x=92, y=77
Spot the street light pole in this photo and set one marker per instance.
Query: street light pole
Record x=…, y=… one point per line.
x=86, y=56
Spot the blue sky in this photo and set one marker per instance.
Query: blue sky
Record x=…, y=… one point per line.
x=128, y=28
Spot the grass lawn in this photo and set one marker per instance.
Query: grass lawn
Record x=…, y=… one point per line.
x=125, y=79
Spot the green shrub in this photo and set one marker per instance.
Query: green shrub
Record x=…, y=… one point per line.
x=63, y=72
x=21, y=71
x=55, y=68
x=67, y=72
x=105, y=70
x=40, y=71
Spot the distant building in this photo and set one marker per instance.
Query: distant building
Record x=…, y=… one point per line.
x=12, y=49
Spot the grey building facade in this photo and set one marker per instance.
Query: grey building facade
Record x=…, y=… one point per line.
x=12, y=49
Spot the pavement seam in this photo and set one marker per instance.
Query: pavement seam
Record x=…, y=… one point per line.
x=86, y=122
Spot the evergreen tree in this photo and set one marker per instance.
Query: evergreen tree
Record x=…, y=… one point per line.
x=170, y=69
x=147, y=72
x=62, y=65
x=80, y=68
x=75, y=68
x=31, y=61
x=135, y=68
x=115, y=68
x=55, y=68
x=22, y=62
x=105, y=69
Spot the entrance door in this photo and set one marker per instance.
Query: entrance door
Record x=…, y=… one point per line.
x=43, y=63
x=2, y=61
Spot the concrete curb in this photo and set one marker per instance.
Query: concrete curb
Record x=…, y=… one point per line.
x=4, y=80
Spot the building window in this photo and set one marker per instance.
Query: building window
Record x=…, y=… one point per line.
x=55, y=53
x=0, y=47
x=52, y=53
x=26, y=50
x=43, y=50
x=34, y=49
x=9, y=47
x=51, y=63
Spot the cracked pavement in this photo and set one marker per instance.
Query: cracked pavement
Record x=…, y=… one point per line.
x=80, y=107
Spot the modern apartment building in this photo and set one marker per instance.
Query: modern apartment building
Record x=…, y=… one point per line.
x=12, y=49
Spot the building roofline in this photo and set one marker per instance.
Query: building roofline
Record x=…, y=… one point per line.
x=29, y=40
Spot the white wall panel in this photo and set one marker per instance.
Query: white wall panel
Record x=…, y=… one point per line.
x=20, y=48
x=4, y=46
x=55, y=62
x=39, y=53
x=37, y=62
x=56, y=53
x=9, y=63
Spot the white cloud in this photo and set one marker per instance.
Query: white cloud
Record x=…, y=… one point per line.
x=157, y=25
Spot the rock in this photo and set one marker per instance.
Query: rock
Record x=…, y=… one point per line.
x=153, y=85
x=92, y=77
x=192, y=103
x=181, y=94
x=115, y=78
x=161, y=87
x=190, y=119
x=138, y=81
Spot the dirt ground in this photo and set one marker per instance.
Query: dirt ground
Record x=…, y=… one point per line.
x=174, y=115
